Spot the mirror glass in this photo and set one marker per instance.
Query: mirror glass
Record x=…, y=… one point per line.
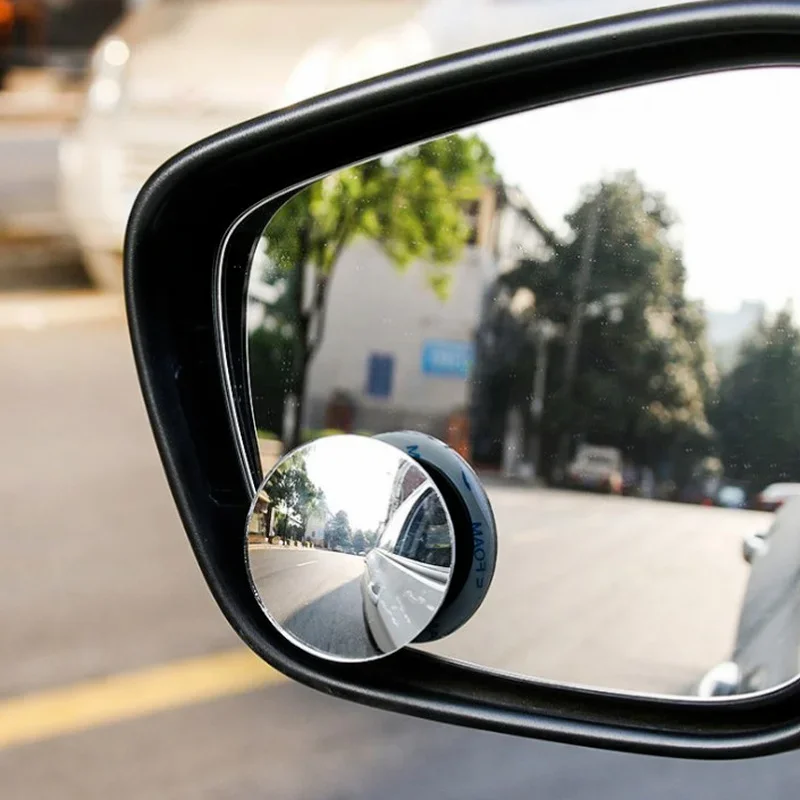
x=593, y=303
x=349, y=547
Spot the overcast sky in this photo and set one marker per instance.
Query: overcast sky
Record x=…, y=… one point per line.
x=356, y=474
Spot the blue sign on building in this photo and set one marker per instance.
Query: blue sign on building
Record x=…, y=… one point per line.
x=447, y=358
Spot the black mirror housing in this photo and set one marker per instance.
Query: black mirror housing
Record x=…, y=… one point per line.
x=186, y=303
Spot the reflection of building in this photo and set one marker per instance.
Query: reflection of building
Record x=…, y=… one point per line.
x=260, y=522
x=406, y=480
x=404, y=355
x=315, y=524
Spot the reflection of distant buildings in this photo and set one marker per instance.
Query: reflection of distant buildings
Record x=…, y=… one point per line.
x=316, y=524
x=260, y=521
x=406, y=480
x=404, y=356
x=269, y=520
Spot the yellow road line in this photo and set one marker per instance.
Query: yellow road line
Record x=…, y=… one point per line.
x=69, y=709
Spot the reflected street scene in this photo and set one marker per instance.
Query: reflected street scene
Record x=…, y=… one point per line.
x=350, y=547
x=682, y=581
x=599, y=315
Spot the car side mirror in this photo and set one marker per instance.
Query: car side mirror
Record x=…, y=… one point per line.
x=233, y=268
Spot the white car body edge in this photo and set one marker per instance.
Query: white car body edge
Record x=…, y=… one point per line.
x=401, y=595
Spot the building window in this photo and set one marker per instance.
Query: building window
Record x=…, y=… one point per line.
x=380, y=375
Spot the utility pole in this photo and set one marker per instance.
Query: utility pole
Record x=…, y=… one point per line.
x=573, y=339
x=545, y=331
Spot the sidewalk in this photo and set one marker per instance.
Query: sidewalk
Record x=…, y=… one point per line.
x=37, y=96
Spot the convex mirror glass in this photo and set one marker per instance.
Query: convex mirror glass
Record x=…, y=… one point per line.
x=593, y=304
x=350, y=547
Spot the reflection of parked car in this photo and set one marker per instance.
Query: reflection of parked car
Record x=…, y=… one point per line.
x=768, y=635
x=598, y=468
x=775, y=495
x=716, y=492
x=406, y=573
x=731, y=495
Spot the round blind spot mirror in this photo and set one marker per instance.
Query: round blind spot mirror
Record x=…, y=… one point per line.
x=350, y=548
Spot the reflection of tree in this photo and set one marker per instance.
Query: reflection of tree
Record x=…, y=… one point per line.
x=644, y=372
x=294, y=495
x=757, y=415
x=411, y=205
x=338, y=532
x=364, y=540
x=360, y=541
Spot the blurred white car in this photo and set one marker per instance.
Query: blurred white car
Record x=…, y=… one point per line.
x=175, y=71
x=597, y=468
x=406, y=574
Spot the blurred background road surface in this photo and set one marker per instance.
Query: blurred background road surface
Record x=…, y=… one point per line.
x=118, y=675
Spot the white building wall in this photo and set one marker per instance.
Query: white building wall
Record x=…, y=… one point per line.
x=374, y=308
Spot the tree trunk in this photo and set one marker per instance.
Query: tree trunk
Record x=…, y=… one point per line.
x=310, y=322
x=294, y=437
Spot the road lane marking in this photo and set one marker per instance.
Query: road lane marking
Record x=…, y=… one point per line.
x=34, y=311
x=86, y=705
x=306, y=563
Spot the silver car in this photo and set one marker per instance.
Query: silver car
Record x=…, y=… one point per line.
x=406, y=573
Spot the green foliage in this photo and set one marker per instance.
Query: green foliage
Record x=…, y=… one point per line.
x=359, y=541
x=270, y=362
x=294, y=495
x=757, y=414
x=644, y=371
x=338, y=532
x=411, y=204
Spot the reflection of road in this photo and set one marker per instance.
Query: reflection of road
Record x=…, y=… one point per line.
x=316, y=595
x=626, y=593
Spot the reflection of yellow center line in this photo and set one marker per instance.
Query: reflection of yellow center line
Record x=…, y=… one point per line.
x=305, y=563
x=81, y=706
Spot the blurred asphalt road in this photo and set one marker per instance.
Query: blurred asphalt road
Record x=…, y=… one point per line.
x=315, y=595
x=96, y=578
